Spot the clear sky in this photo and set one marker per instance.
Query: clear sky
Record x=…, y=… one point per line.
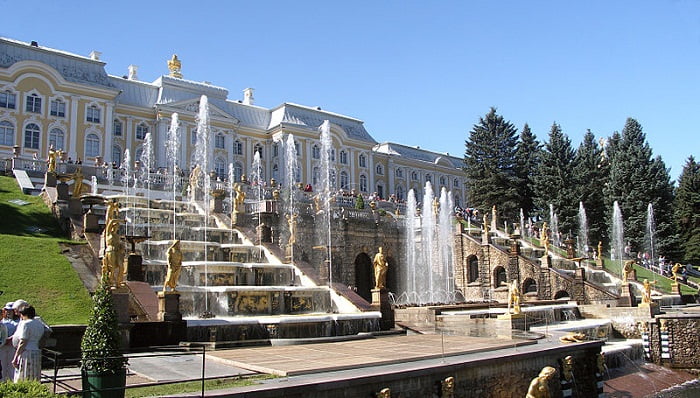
x=416, y=72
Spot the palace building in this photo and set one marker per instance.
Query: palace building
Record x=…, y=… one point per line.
x=51, y=97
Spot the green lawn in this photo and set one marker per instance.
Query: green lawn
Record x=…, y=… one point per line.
x=194, y=386
x=31, y=263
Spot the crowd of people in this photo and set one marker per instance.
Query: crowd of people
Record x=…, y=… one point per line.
x=20, y=352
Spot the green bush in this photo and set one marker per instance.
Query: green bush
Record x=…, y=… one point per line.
x=25, y=388
x=101, y=341
x=359, y=202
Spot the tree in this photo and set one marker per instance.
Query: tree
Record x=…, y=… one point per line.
x=489, y=160
x=636, y=180
x=555, y=182
x=590, y=173
x=687, y=211
x=526, y=160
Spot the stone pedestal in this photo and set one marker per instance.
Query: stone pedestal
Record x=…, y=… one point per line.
x=380, y=302
x=506, y=323
x=627, y=298
x=216, y=204
x=62, y=191
x=676, y=288
x=599, y=263
x=134, y=265
x=234, y=218
x=91, y=222
x=546, y=261
x=653, y=308
x=169, y=306
x=120, y=298
x=50, y=179
x=75, y=206
x=632, y=275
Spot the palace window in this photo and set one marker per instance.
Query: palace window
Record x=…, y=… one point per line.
x=343, y=157
x=141, y=131
x=33, y=103
x=400, y=192
x=428, y=177
x=220, y=167
x=316, y=152
x=58, y=108
x=117, y=155
x=414, y=176
x=219, y=141
x=237, y=171
x=315, y=176
x=399, y=172
x=93, y=114
x=259, y=149
x=344, y=180
x=92, y=146
x=56, y=138
x=237, y=148
x=363, y=161
x=31, y=136
x=275, y=150
x=442, y=181
x=332, y=155
x=455, y=183
x=363, y=183
x=8, y=100
x=193, y=137
x=117, y=128
x=275, y=172
x=380, y=169
x=7, y=133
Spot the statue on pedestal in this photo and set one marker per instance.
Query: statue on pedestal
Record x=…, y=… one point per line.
x=539, y=386
x=514, y=297
x=113, y=260
x=544, y=238
x=174, y=257
x=239, y=199
x=292, y=224
x=78, y=186
x=52, y=159
x=380, y=268
x=567, y=368
x=646, y=293
x=194, y=180
x=175, y=66
x=675, y=270
x=627, y=270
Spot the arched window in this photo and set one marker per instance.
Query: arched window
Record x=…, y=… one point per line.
x=117, y=128
x=141, y=131
x=138, y=154
x=380, y=190
x=220, y=141
x=399, y=192
x=344, y=180
x=455, y=183
x=316, y=152
x=343, y=157
x=316, y=176
x=220, y=167
x=499, y=277
x=259, y=149
x=275, y=171
x=7, y=133
x=237, y=171
x=458, y=202
x=362, y=161
x=32, y=133
x=414, y=176
x=193, y=137
x=442, y=181
x=56, y=138
x=363, y=183
x=92, y=145
x=473, y=270
x=380, y=169
x=399, y=172
x=428, y=177
x=238, y=147
x=117, y=155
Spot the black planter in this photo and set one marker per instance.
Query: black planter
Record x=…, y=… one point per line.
x=101, y=385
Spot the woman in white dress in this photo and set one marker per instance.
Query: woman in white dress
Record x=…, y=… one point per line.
x=27, y=359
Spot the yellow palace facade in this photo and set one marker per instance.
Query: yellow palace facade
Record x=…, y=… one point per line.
x=51, y=97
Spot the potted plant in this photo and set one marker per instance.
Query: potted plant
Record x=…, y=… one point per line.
x=103, y=366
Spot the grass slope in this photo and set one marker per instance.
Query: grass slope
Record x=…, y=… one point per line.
x=31, y=264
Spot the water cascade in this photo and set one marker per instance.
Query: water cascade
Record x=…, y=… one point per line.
x=428, y=235
x=172, y=152
x=618, y=237
x=256, y=178
x=202, y=161
x=408, y=279
x=146, y=166
x=327, y=181
x=582, y=240
x=554, y=226
x=446, y=239
x=291, y=169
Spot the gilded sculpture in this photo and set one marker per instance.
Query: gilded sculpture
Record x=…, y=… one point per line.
x=539, y=386
x=52, y=159
x=646, y=291
x=113, y=260
x=544, y=237
x=174, y=257
x=447, y=387
x=675, y=270
x=78, y=186
x=292, y=224
x=175, y=66
x=627, y=270
x=380, y=268
x=239, y=198
x=194, y=180
x=567, y=368
x=600, y=363
x=514, y=297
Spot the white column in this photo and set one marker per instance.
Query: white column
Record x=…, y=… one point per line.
x=109, y=122
x=73, y=129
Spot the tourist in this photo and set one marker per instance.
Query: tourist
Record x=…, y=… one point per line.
x=27, y=358
x=7, y=351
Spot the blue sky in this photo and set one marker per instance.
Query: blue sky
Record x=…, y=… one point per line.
x=416, y=72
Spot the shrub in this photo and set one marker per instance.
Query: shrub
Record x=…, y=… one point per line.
x=25, y=388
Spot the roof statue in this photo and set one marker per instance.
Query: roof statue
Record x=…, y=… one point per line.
x=174, y=65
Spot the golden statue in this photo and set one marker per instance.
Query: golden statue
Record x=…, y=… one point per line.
x=447, y=387
x=78, y=186
x=174, y=257
x=567, y=368
x=485, y=224
x=676, y=270
x=52, y=159
x=112, y=212
x=174, y=66
x=514, y=297
x=436, y=206
x=194, y=180
x=573, y=337
x=384, y=393
x=380, y=268
x=113, y=260
x=539, y=386
x=646, y=293
x=600, y=363
x=627, y=269
x=292, y=223
x=544, y=237
x=239, y=199
x=600, y=250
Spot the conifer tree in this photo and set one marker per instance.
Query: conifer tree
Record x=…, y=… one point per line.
x=489, y=160
x=637, y=179
x=687, y=211
x=555, y=182
x=590, y=174
x=527, y=159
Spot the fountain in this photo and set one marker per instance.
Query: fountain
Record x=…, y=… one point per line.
x=446, y=245
x=650, y=236
x=172, y=152
x=93, y=185
x=202, y=161
x=327, y=183
x=582, y=240
x=522, y=223
x=126, y=178
x=291, y=168
x=554, y=226
x=408, y=280
x=146, y=166
x=618, y=237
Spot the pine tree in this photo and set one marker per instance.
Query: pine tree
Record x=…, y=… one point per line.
x=687, y=211
x=555, y=182
x=636, y=180
x=526, y=156
x=590, y=174
x=490, y=166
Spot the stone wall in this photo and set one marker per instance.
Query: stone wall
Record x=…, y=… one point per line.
x=682, y=331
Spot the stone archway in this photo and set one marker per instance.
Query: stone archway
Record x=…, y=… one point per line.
x=364, y=276
x=472, y=269
x=561, y=295
x=499, y=277
x=529, y=286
